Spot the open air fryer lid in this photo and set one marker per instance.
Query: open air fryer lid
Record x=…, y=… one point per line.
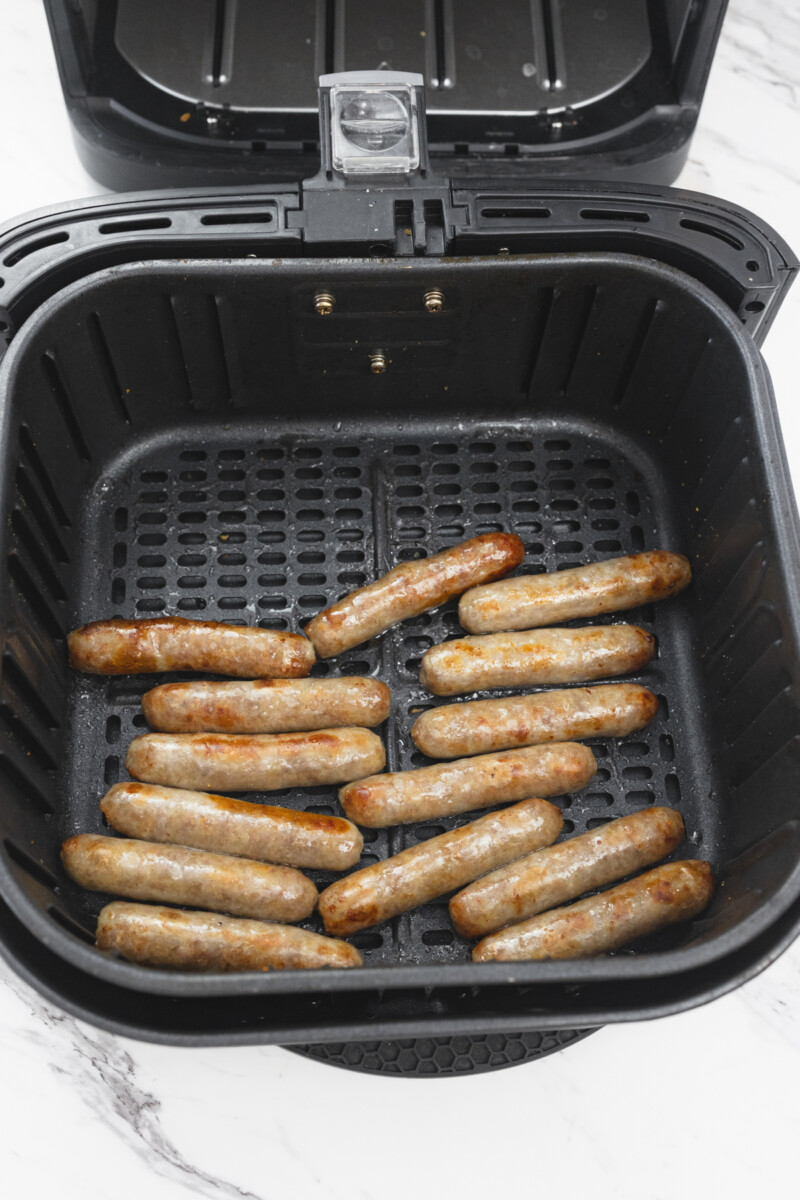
x=378, y=192
x=542, y=125
x=224, y=92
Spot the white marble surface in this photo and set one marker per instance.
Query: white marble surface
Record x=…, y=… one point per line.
x=655, y=1111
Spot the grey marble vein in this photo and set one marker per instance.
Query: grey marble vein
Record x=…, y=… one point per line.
x=764, y=44
x=103, y=1075
x=774, y=997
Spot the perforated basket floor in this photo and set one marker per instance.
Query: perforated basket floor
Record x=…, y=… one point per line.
x=269, y=531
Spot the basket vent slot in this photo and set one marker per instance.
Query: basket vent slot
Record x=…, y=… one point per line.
x=42, y=476
x=613, y=214
x=41, y=515
x=14, y=677
x=713, y=231
x=237, y=218
x=66, y=922
x=106, y=363
x=30, y=745
x=31, y=593
x=26, y=862
x=139, y=225
x=42, y=243
x=22, y=787
x=65, y=406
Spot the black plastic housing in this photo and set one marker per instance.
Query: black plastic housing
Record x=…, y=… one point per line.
x=181, y=431
x=223, y=92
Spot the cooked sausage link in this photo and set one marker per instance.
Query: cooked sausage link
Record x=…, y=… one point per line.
x=204, y=941
x=259, y=831
x=564, y=715
x=178, y=875
x=437, y=866
x=675, y=892
x=266, y=705
x=254, y=762
x=468, y=783
x=551, y=877
x=537, y=656
x=118, y=647
x=411, y=588
x=612, y=586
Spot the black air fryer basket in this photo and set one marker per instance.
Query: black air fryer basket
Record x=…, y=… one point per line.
x=183, y=432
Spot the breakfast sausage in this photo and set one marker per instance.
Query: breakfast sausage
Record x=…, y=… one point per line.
x=266, y=705
x=564, y=715
x=532, y=600
x=560, y=873
x=468, y=783
x=178, y=875
x=675, y=892
x=255, y=762
x=411, y=588
x=437, y=866
x=204, y=941
x=118, y=647
x=534, y=657
x=260, y=831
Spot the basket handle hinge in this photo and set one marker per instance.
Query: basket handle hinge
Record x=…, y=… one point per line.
x=375, y=192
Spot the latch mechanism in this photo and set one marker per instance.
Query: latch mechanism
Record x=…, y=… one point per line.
x=375, y=192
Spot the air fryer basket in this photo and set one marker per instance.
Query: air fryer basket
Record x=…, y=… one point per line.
x=190, y=436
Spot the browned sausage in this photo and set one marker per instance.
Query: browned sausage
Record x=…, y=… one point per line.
x=411, y=588
x=266, y=705
x=254, y=762
x=532, y=600
x=178, y=875
x=560, y=873
x=675, y=892
x=534, y=657
x=225, y=826
x=204, y=941
x=118, y=647
x=437, y=866
x=564, y=715
x=468, y=783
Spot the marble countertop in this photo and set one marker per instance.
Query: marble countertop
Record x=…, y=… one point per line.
x=653, y=1111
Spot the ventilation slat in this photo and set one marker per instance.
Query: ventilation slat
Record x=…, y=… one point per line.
x=65, y=406
x=197, y=320
x=43, y=476
x=14, y=727
x=30, y=546
x=30, y=865
x=32, y=595
x=106, y=365
x=66, y=922
x=18, y=783
x=14, y=677
x=29, y=496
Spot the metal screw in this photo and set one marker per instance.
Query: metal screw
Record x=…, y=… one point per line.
x=434, y=300
x=377, y=362
x=323, y=303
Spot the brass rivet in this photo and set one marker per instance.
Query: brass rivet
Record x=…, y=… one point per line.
x=433, y=300
x=323, y=303
x=377, y=362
